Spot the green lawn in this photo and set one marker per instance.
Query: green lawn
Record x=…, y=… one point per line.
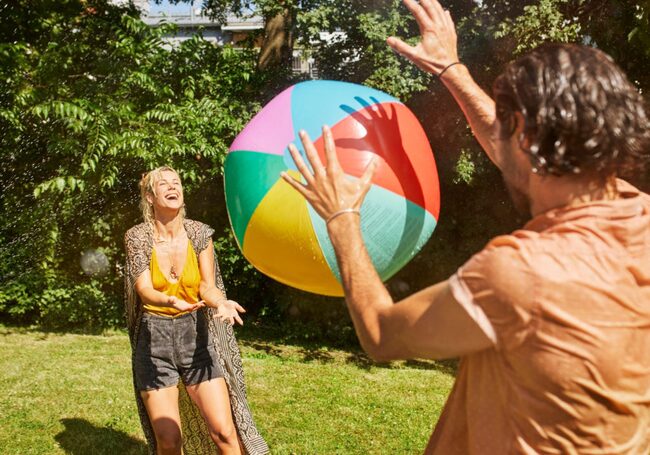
x=67, y=393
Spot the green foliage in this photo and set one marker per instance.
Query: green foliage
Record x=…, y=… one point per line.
x=355, y=49
x=543, y=22
x=83, y=305
x=465, y=167
x=88, y=104
x=640, y=34
x=244, y=283
x=91, y=97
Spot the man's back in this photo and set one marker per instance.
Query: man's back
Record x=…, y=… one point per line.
x=569, y=300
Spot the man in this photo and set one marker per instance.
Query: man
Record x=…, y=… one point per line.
x=552, y=322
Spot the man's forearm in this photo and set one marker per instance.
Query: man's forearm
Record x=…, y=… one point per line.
x=366, y=295
x=478, y=106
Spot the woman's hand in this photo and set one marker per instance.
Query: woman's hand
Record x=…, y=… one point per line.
x=437, y=47
x=182, y=305
x=328, y=190
x=228, y=312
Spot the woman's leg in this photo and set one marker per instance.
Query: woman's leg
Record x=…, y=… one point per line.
x=213, y=401
x=162, y=407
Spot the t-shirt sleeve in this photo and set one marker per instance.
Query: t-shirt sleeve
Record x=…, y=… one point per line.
x=497, y=287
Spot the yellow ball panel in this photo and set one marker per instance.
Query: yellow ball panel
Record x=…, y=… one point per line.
x=280, y=242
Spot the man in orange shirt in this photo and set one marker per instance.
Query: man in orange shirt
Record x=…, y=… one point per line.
x=552, y=322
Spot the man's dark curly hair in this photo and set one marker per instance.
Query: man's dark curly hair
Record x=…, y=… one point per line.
x=581, y=114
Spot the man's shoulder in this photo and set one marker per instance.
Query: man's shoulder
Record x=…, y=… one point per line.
x=628, y=190
x=516, y=246
x=503, y=261
x=501, y=279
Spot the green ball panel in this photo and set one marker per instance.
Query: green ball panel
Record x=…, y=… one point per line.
x=247, y=178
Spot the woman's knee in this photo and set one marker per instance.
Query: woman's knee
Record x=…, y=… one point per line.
x=168, y=438
x=225, y=434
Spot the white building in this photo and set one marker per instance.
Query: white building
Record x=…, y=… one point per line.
x=190, y=20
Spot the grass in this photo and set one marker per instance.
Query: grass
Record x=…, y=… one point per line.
x=71, y=394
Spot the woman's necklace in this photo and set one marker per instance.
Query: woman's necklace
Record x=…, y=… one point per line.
x=172, y=271
x=170, y=250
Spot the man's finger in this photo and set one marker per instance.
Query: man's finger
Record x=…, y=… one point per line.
x=402, y=48
x=300, y=164
x=434, y=10
x=298, y=186
x=366, y=178
x=312, y=155
x=450, y=22
x=420, y=14
x=330, y=151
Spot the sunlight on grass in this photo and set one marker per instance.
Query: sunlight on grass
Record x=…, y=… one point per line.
x=67, y=393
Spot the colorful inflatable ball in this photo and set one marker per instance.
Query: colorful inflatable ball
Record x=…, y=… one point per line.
x=278, y=231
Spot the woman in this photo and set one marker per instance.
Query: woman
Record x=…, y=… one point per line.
x=186, y=363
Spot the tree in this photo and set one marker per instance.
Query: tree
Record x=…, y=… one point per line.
x=91, y=98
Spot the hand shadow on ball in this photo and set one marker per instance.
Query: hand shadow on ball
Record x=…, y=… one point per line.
x=375, y=118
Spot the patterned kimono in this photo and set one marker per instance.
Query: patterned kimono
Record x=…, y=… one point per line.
x=196, y=438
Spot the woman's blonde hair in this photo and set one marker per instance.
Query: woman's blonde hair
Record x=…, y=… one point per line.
x=148, y=186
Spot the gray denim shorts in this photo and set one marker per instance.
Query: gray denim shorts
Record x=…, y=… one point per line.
x=169, y=349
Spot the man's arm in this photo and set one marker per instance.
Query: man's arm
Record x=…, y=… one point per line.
x=436, y=50
x=428, y=324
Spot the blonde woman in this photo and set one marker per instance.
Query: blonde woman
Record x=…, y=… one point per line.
x=186, y=363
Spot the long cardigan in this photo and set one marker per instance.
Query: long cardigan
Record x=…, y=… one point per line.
x=196, y=439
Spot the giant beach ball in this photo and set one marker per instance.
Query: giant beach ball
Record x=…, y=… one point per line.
x=277, y=230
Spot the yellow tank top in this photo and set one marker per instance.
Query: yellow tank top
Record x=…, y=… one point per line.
x=186, y=288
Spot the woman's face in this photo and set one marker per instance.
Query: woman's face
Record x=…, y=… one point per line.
x=168, y=193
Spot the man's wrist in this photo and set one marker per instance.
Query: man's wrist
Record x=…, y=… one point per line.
x=454, y=75
x=447, y=67
x=341, y=228
x=342, y=212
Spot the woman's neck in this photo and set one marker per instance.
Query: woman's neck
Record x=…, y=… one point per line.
x=167, y=229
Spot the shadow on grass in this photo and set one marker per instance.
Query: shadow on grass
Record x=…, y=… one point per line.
x=295, y=341
x=81, y=437
x=316, y=355
x=282, y=346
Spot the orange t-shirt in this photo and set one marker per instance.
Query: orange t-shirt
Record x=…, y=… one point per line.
x=567, y=299
x=186, y=288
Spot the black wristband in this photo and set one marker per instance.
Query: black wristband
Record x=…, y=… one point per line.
x=447, y=67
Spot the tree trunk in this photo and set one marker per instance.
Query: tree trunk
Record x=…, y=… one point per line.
x=278, y=42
